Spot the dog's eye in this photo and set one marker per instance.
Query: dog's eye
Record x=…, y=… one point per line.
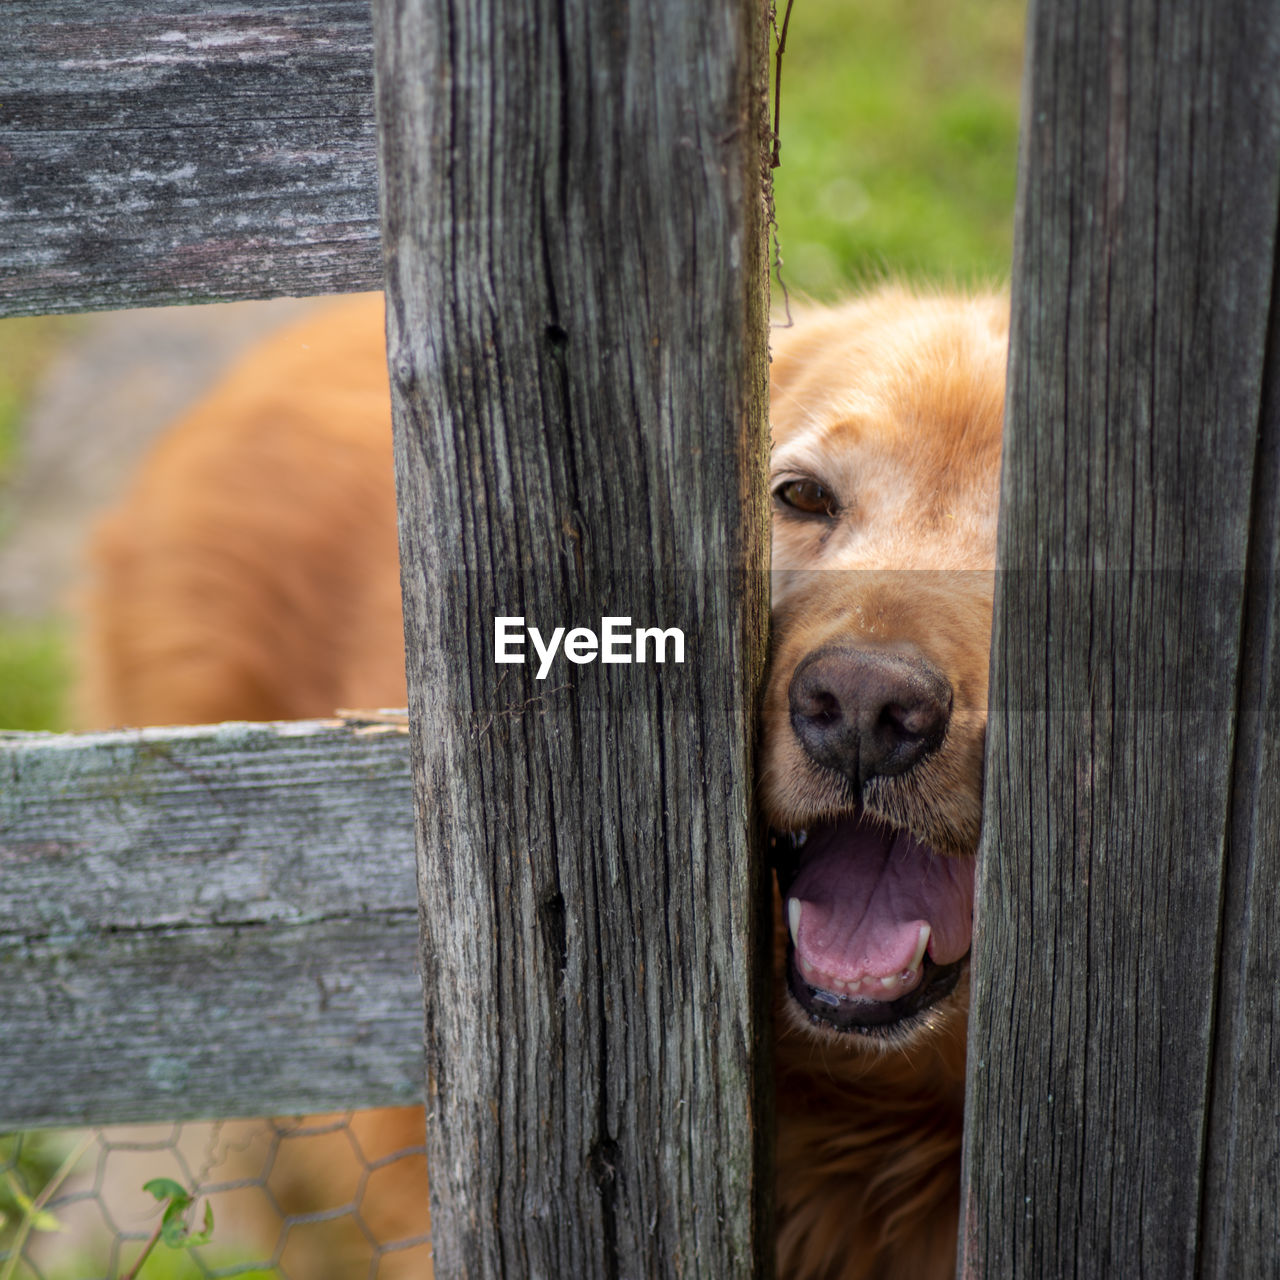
x=808, y=497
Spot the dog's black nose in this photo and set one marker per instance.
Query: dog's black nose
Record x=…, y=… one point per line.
x=868, y=713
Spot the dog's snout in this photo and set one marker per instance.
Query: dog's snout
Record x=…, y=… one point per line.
x=868, y=713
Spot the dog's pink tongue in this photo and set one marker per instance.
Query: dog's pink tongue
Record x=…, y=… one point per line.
x=866, y=890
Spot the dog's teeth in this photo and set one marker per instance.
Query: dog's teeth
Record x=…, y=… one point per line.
x=891, y=981
x=806, y=968
x=793, y=917
x=917, y=959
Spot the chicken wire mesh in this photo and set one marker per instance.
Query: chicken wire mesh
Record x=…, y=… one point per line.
x=331, y=1197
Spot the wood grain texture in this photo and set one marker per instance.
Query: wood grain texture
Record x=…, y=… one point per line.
x=1122, y=1115
x=574, y=234
x=178, y=151
x=206, y=922
x=1240, y=1207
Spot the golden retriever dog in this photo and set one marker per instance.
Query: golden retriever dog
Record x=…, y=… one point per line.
x=251, y=573
x=886, y=417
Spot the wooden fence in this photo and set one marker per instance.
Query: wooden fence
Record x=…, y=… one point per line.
x=574, y=254
x=207, y=922
x=1122, y=1109
x=219, y=921
x=177, y=151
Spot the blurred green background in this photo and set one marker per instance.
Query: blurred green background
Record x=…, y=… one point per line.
x=899, y=134
x=35, y=659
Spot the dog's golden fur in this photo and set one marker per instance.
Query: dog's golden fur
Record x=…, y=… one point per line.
x=251, y=573
x=895, y=403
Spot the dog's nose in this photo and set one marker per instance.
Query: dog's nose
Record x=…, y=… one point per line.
x=868, y=713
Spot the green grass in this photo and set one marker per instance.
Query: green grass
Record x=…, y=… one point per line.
x=27, y=343
x=163, y=1264
x=35, y=674
x=35, y=666
x=899, y=141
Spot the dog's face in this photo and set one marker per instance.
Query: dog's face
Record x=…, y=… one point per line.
x=886, y=419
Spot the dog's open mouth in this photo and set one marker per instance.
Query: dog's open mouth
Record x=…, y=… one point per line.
x=880, y=923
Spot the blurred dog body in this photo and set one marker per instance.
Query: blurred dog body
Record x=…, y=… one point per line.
x=251, y=573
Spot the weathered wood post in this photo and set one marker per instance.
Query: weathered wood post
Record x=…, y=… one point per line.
x=574, y=240
x=1123, y=1052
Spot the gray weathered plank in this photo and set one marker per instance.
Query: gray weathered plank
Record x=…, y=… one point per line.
x=177, y=151
x=1121, y=1107
x=1240, y=1214
x=206, y=922
x=577, y=293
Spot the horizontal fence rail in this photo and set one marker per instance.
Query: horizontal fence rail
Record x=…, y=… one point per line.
x=179, y=151
x=207, y=922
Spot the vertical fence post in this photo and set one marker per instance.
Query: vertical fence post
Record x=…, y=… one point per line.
x=1123, y=1045
x=576, y=280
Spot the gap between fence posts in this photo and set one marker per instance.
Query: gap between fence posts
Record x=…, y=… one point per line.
x=573, y=229
x=1121, y=1116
